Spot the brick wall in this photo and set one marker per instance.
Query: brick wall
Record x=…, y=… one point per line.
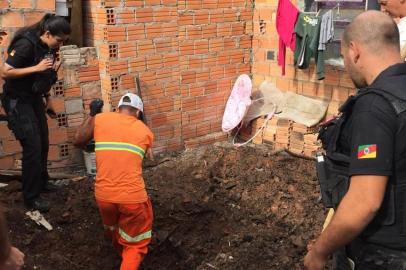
x=187, y=55
x=78, y=83
x=14, y=15
x=335, y=88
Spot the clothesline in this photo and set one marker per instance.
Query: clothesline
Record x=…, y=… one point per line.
x=318, y=12
x=305, y=34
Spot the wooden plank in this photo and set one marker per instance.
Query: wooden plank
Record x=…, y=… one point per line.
x=76, y=36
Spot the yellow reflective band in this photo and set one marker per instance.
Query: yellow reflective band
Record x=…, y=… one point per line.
x=134, y=239
x=118, y=146
x=121, y=144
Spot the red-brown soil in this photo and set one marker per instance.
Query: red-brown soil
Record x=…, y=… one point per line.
x=215, y=207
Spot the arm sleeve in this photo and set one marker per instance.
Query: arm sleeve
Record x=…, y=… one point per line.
x=21, y=54
x=372, y=142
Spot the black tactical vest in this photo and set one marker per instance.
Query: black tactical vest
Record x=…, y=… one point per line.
x=333, y=173
x=36, y=43
x=22, y=88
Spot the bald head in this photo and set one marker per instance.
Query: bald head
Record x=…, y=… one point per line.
x=373, y=30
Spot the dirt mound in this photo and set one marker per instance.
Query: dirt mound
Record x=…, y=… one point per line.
x=215, y=208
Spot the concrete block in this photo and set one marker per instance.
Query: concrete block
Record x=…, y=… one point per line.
x=91, y=90
x=74, y=62
x=74, y=106
x=88, y=51
x=70, y=76
x=71, y=52
x=71, y=56
x=68, y=47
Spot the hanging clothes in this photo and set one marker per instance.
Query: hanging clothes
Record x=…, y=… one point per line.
x=286, y=17
x=326, y=30
x=307, y=31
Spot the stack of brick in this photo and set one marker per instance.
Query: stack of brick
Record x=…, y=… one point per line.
x=187, y=55
x=269, y=132
x=297, y=143
x=284, y=134
x=335, y=88
x=303, y=140
x=311, y=145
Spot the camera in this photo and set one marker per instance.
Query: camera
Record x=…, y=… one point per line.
x=49, y=56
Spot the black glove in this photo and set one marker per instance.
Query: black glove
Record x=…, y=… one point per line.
x=96, y=106
x=44, y=81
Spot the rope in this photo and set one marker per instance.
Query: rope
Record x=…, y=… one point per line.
x=268, y=117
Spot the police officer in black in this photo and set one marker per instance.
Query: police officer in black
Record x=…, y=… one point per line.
x=364, y=175
x=29, y=73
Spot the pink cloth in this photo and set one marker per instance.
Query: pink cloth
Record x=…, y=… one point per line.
x=238, y=103
x=286, y=17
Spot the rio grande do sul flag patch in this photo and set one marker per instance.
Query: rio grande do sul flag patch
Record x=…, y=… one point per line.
x=367, y=151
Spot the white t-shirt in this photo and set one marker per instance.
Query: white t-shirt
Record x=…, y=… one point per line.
x=402, y=31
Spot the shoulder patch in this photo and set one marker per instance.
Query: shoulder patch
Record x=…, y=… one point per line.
x=367, y=151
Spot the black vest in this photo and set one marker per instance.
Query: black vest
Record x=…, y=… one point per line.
x=22, y=88
x=39, y=50
x=389, y=225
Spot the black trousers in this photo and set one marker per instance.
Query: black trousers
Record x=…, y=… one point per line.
x=29, y=124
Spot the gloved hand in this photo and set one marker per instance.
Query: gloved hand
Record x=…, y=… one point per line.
x=96, y=106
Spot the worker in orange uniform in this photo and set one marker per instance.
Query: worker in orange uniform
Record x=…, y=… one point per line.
x=122, y=140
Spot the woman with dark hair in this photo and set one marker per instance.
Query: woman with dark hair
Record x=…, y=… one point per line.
x=29, y=73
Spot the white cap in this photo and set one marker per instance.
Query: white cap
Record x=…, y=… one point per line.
x=135, y=102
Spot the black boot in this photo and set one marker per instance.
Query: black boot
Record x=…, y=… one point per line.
x=38, y=204
x=50, y=187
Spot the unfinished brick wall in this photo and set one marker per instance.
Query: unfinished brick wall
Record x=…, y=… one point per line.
x=187, y=55
x=335, y=88
x=78, y=83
